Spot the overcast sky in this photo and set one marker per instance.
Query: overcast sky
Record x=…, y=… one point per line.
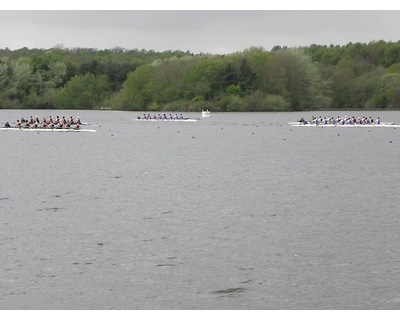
x=206, y=31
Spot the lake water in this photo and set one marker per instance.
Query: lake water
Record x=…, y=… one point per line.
x=236, y=211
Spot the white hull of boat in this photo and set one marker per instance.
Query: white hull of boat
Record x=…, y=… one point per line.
x=205, y=114
x=47, y=130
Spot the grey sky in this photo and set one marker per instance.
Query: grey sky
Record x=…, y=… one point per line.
x=194, y=30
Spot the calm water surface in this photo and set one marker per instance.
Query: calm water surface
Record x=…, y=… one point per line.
x=236, y=211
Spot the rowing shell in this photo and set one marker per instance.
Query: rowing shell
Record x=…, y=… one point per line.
x=47, y=130
x=382, y=125
x=167, y=120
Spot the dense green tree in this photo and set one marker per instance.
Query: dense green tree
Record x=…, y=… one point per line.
x=391, y=54
x=202, y=80
x=136, y=93
x=246, y=76
x=21, y=80
x=83, y=92
x=274, y=103
x=387, y=92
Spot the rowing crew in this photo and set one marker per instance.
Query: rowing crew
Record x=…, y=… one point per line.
x=341, y=120
x=161, y=117
x=48, y=123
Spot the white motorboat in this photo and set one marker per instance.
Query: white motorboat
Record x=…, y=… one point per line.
x=205, y=113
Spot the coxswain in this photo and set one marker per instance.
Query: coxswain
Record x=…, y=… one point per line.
x=7, y=125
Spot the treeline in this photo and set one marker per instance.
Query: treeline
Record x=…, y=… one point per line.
x=317, y=77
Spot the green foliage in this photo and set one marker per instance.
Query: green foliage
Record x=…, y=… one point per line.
x=202, y=78
x=274, y=103
x=387, y=92
x=83, y=92
x=235, y=103
x=198, y=104
x=137, y=89
x=394, y=68
x=356, y=75
x=234, y=90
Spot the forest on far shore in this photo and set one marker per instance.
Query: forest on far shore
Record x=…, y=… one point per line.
x=318, y=77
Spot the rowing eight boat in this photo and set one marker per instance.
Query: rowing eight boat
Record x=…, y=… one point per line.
x=167, y=120
x=381, y=125
x=47, y=130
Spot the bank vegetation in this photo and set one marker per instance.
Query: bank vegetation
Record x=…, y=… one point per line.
x=318, y=77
